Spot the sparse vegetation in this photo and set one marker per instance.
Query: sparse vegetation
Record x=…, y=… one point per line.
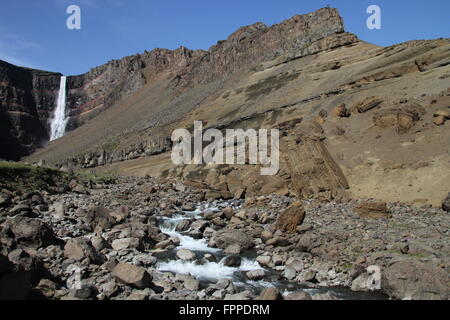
x=97, y=177
x=110, y=144
x=24, y=177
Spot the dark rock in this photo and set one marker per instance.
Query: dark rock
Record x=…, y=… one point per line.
x=28, y=264
x=31, y=233
x=232, y=261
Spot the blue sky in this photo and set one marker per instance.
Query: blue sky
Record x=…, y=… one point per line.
x=34, y=33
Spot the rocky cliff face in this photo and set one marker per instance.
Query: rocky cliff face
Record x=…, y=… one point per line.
x=27, y=98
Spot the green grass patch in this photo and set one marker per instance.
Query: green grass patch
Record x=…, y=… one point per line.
x=97, y=177
x=26, y=178
x=110, y=144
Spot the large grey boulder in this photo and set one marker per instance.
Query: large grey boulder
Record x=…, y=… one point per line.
x=133, y=276
x=411, y=279
x=81, y=248
x=227, y=237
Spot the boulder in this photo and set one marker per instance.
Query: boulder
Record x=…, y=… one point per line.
x=228, y=213
x=324, y=297
x=266, y=236
x=127, y=243
x=256, y=275
x=313, y=170
x=232, y=261
x=244, y=295
x=269, y=294
x=31, y=265
x=227, y=237
x=372, y=210
x=31, y=233
x=145, y=260
x=233, y=249
x=185, y=254
x=191, y=284
x=411, y=279
x=99, y=219
x=264, y=260
x=299, y=296
x=120, y=214
x=81, y=248
x=291, y=218
x=133, y=276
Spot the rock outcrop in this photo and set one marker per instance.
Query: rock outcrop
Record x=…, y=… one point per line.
x=27, y=99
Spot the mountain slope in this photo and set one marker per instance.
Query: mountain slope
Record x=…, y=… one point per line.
x=295, y=76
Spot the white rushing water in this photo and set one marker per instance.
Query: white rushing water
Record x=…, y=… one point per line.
x=59, y=121
x=206, y=271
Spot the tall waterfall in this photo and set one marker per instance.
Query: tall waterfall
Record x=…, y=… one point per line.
x=59, y=121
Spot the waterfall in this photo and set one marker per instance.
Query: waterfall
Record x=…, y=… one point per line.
x=59, y=121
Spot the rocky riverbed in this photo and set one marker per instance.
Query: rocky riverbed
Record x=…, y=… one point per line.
x=142, y=239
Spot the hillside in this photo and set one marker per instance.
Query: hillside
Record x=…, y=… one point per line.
x=298, y=73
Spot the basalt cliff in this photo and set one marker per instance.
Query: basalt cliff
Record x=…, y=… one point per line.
x=357, y=120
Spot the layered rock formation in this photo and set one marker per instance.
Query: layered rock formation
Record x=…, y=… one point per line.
x=357, y=120
x=91, y=93
x=27, y=98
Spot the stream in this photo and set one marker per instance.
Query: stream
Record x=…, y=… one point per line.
x=208, y=272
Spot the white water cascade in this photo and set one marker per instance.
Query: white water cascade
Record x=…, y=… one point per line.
x=59, y=121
